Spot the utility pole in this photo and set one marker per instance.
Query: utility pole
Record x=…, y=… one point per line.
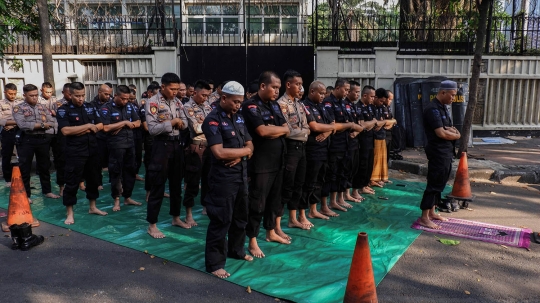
x=46, y=49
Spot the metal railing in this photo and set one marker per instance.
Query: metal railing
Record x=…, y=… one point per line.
x=508, y=35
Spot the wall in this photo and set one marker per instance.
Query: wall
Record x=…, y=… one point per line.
x=509, y=92
x=92, y=70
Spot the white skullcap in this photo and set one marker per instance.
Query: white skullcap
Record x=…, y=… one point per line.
x=233, y=88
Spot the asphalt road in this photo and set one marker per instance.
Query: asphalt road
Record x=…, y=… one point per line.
x=71, y=267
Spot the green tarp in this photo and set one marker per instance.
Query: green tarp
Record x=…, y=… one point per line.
x=314, y=268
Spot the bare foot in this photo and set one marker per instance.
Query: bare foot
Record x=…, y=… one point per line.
x=105, y=169
x=190, y=221
x=248, y=258
x=427, y=223
x=296, y=224
x=52, y=196
x=437, y=217
x=82, y=186
x=96, y=211
x=177, y=222
x=314, y=214
x=100, y=187
x=8, y=184
x=204, y=210
x=69, y=216
x=375, y=183
x=367, y=190
x=116, y=206
x=344, y=204
x=166, y=195
x=329, y=213
x=353, y=199
x=272, y=236
x=139, y=178
x=155, y=232
x=304, y=221
x=221, y=273
x=334, y=205
x=388, y=181
x=129, y=201
x=254, y=250
x=61, y=193
x=283, y=235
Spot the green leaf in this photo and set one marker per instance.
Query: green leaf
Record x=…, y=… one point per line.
x=448, y=241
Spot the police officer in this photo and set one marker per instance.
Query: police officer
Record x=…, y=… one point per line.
x=321, y=125
x=379, y=176
x=34, y=120
x=119, y=118
x=79, y=122
x=103, y=96
x=181, y=95
x=439, y=150
x=197, y=154
x=227, y=203
x=366, y=113
x=66, y=96
x=295, y=158
x=148, y=139
x=351, y=166
x=138, y=136
x=342, y=113
x=165, y=118
x=8, y=131
x=52, y=104
x=267, y=127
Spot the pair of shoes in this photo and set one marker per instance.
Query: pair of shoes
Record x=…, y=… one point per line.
x=22, y=237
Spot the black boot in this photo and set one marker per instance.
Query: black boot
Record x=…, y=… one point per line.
x=28, y=239
x=15, y=236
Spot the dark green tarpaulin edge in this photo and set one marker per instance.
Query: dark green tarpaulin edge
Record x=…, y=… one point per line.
x=314, y=268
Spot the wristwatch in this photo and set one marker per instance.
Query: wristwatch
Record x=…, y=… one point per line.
x=42, y=125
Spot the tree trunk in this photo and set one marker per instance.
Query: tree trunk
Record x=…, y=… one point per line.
x=475, y=77
x=46, y=49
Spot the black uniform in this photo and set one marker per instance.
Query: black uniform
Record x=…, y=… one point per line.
x=121, y=148
x=101, y=140
x=167, y=154
x=352, y=159
x=316, y=154
x=80, y=152
x=34, y=142
x=365, y=153
x=7, y=133
x=438, y=151
x=226, y=202
x=337, y=179
x=265, y=167
x=138, y=139
x=147, y=144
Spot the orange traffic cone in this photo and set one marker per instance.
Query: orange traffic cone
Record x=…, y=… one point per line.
x=462, y=184
x=361, y=283
x=19, y=211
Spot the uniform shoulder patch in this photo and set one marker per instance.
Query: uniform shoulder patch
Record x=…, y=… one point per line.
x=16, y=109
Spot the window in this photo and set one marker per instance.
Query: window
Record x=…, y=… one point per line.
x=273, y=19
x=150, y=17
x=214, y=19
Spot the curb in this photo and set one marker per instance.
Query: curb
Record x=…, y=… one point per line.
x=530, y=176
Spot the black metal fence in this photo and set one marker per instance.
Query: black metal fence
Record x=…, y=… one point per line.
x=359, y=32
